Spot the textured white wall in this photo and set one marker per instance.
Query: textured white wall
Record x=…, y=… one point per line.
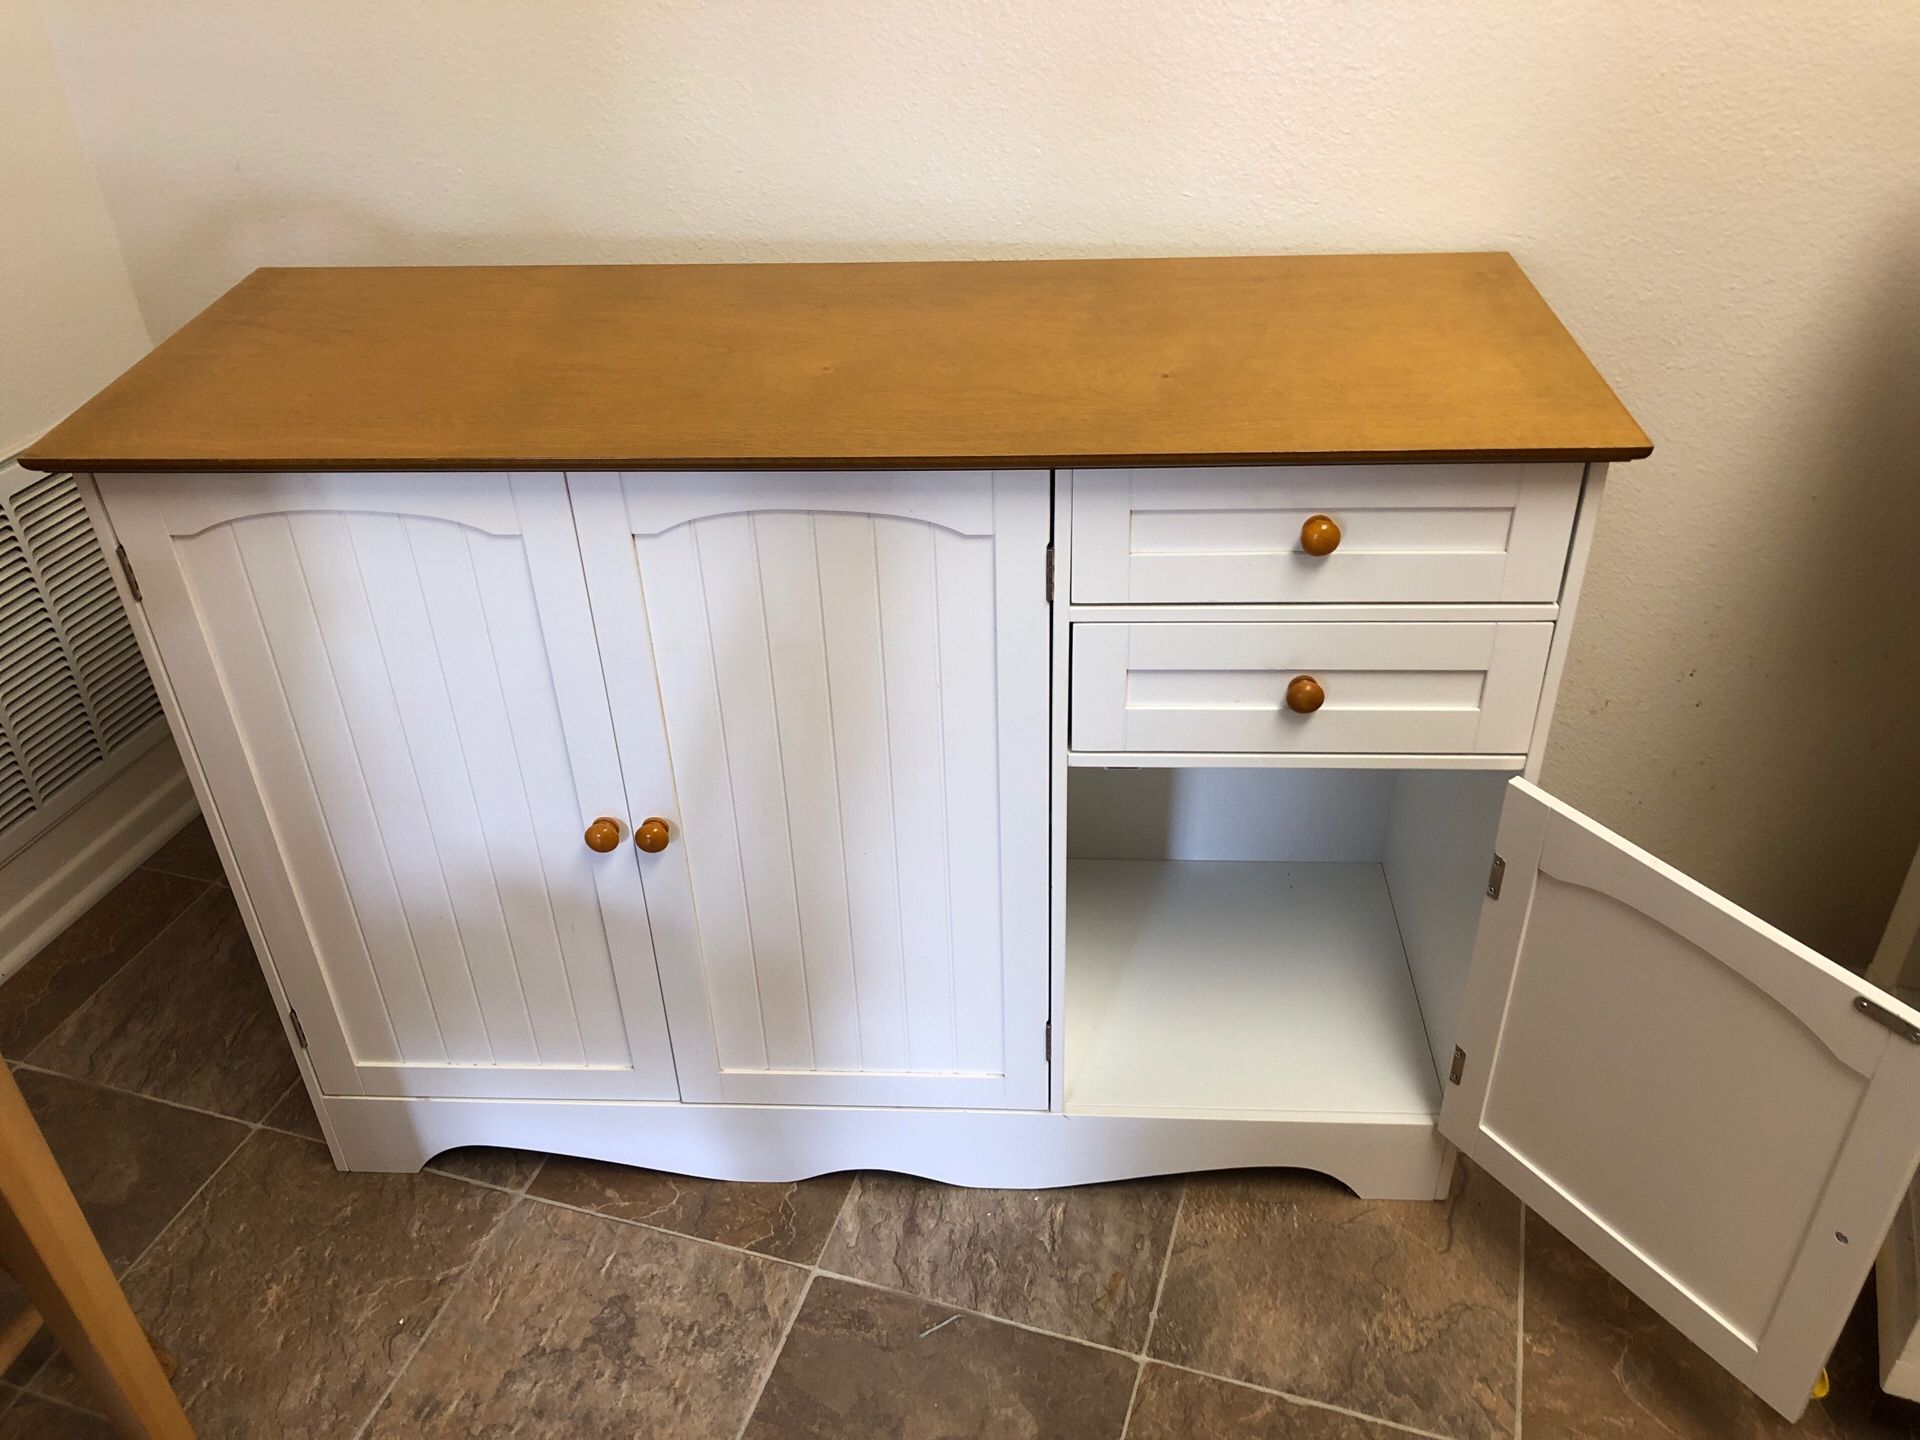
x=1720, y=200
x=68, y=322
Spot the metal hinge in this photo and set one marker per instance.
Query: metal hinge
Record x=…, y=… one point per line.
x=1049, y=572
x=126, y=569
x=299, y=1030
x=1049, y=1042
x=1496, y=877
x=1886, y=1017
x=1459, y=1065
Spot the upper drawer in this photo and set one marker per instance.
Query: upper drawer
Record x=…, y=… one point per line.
x=1408, y=534
x=1404, y=687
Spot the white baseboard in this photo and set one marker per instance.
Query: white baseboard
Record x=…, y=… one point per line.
x=48, y=885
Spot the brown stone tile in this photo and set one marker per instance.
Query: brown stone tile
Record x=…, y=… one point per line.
x=1403, y=1310
x=84, y=956
x=291, y=1294
x=192, y=1022
x=31, y=1418
x=1180, y=1405
x=131, y=1163
x=789, y=1221
x=574, y=1325
x=487, y=1165
x=1600, y=1365
x=294, y=1114
x=190, y=852
x=862, y=1362
x=1081, y=1262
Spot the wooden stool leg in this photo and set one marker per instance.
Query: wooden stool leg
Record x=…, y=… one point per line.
x=45, y=1243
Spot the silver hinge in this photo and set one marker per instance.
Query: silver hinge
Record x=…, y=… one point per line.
x=126, y=569
x=1049, y=1042
x=1884, y=1016
x=1049, y=572
x=1459, y=1065
x=1496, y=877
x=299, y=1030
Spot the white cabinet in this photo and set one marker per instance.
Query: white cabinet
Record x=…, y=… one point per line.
x=833, y=687
x=1216, y=857
x=389, y=685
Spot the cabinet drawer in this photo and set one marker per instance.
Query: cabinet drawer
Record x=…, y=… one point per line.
x=1390, y=688
x=1408, y=534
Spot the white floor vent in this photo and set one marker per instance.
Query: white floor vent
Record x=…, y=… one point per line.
x=75, y=701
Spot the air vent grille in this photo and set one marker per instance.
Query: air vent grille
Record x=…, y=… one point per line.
x=74, y=692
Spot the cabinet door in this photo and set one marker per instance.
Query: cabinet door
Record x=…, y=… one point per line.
x=391, y=685
x=833, y=687
x=1721, y=1118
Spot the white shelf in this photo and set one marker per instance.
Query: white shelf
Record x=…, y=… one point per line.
x=1222, y=987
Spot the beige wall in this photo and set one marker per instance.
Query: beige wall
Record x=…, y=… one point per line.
x=1720, y=199
x=68, y=322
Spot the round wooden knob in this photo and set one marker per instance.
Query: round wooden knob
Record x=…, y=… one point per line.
x=603, y=835
x=1305, y=695
x=1319, y=535
x=651, y=835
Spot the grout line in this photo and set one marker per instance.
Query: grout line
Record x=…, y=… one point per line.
x=1153, y=1315
x=202, y=880
x=426, y=1331
x=773, y=1360
x=156, y=1099
x=786, y=1332
x=1520, y=1332
x=977, y=1314
x=1307, y=1401
x=120, y=969
x=656, y=1229
x=17, y=1394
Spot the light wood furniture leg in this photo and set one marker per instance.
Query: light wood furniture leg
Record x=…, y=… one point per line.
x=46, y=1245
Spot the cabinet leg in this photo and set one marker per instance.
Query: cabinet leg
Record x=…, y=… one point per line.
x=48, y=1248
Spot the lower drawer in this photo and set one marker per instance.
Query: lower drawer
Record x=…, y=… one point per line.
x=1387, y=688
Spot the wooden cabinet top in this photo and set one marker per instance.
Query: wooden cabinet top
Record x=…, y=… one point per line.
x=969, y=363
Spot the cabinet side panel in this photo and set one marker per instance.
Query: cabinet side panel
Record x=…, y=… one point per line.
x=1440, y=833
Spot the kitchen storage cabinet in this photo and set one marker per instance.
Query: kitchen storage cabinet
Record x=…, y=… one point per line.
x=1021, y=724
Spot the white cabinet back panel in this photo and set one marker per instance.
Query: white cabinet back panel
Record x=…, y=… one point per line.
x=1409, y=533
x=848, y=913
x=403, y=668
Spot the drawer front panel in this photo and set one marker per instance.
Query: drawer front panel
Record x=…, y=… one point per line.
x=1390, y=688
x=1408, y=534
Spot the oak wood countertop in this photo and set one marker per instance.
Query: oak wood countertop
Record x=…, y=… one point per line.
x=1312, y=358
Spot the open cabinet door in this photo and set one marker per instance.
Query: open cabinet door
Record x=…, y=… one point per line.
x=1724, y=1120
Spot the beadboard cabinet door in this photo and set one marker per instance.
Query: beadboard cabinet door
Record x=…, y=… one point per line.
x=390, y=685
x=833, y=690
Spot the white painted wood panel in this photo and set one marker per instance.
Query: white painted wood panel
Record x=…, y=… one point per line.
x=1411, y=688
x=848, y=737
x=1214, y=988
x=1409, y=533
x=1684, y=1092
x=391, y=684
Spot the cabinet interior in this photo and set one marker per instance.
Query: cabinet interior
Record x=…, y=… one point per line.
x=1271, y=941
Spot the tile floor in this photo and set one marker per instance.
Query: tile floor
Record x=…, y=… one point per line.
x=500, y=1293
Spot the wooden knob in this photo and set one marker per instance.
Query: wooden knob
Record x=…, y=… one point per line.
x=1319, y=535
x=1305, y=695
x=652, y=835
x=603, y=835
